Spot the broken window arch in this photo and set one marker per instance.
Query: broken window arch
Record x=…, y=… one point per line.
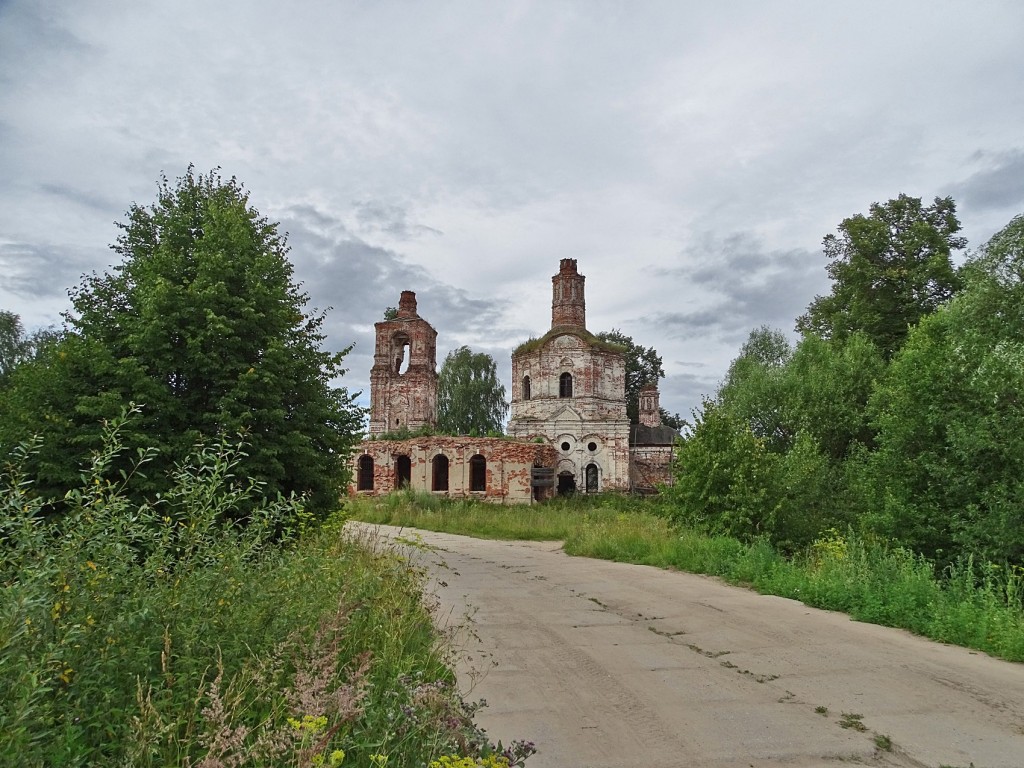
x=478, y=473
x=400, y=352
x=565, y=385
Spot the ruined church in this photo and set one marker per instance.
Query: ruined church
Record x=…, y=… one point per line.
x=568, y=431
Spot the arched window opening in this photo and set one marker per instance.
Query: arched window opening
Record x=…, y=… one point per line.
x=592, y=483
x=526, y=387
x=566, y=483
x=403, y=472
x=400, y=351
x=364, y=479
x=439, y=473
x=478, y=473
x=565, y=385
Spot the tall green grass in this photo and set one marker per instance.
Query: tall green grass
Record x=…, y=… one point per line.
x=173, y=634
x=970, y=604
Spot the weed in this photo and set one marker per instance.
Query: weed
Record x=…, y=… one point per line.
x=823, y=711
x=883, y=742
x=852, y=721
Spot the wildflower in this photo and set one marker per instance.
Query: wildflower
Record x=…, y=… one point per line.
x=337, y=758
x=378, y=760
x=308, y=724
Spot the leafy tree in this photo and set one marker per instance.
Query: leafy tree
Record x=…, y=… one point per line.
x=202, y=324
x=724, y=477
x=643, y=366
x=470, y=398
x=889, y=269
x=829, y=384
x=17, y=346
x=390, y=313
x=947, y=475
x=13, y=344
x=755, y=387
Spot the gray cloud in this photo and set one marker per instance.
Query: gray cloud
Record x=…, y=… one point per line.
x=743, y=285
x=358, y=281
x=998, y=185
x=34, y=271
x=525, y=132
x=376, y=216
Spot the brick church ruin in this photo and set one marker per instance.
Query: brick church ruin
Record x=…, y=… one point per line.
x=567, y=433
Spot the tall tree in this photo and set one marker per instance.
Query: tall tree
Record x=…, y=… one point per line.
x=950, y=418
x=889, y=269
x=470, y=398
x=643, y=366
x=13, y=344
x=17, y=346
x=202, y=324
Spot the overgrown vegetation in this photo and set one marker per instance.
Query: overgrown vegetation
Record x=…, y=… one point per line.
x=971, y=604
x=203, y=323
x=174, y=633
x=897, y=415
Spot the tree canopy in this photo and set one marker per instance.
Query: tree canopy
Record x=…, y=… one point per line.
x=203, y=326
x=17, y=346
x=889, y=269
x=470, y=398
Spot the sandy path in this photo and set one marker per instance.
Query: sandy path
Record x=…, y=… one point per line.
x=604, y=664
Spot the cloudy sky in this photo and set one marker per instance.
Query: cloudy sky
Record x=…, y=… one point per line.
x=690, y=155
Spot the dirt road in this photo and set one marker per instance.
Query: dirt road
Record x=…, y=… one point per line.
x=603, y=664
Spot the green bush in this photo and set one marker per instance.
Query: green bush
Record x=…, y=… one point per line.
x=177, y=632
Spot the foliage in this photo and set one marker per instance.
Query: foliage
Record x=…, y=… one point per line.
x=13, y=344
x=533, y=343
x=755, y=387
x=643, y=366
x=163, y=634
x=970, y=604
x=889, y=269
x=17, y=346
x=201, y=322
x=947, y=476
x=725, y=477
x=390, y=313
x=470, y=397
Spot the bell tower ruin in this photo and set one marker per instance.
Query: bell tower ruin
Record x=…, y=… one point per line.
x=403, y=379
x=568, y=307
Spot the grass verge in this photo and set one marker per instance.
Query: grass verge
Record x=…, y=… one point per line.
x=971, y=604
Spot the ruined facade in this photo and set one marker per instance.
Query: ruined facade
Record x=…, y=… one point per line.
x=487, y=468
x=569, y=389
x=403, y=380
x=568, y=428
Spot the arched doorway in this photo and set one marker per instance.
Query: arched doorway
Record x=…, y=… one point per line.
x=364, y=481
x=439, y=466
x=478, y=473
x=403, y=472
x=566, y=483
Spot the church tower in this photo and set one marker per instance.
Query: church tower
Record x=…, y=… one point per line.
x=403, y=380
x=568, y=307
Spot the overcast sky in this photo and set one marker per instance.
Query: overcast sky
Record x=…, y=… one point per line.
x=690, y=155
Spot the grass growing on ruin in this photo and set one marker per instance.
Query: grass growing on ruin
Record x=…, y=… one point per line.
x=166, y=634
x=976, y=605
